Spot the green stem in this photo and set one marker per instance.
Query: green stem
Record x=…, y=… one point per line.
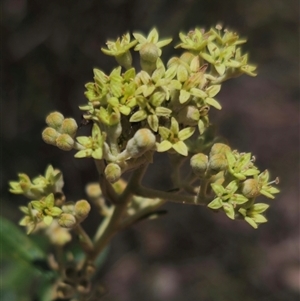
x=168, y=196
x=132, y=219
x=84, y=239
x=113, y=224
x=201, y=196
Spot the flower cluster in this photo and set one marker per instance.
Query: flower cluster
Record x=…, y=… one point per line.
x=47, y=201
x=236, y=183
x=166, y=104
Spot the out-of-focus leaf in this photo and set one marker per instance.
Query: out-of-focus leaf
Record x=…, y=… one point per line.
x=15, y=244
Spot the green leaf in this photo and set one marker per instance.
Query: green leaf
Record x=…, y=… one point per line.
x=17, y=245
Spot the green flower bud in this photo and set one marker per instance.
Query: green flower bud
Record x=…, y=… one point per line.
x=69, y=126
x=50, y=135
x=68, y=207
x=67, y=220
x=93, y=190
x=149, y=52
x=199, y=164
x=65, y=142
x=55, y=120
x=142, y=141
x=217, y=163
x=82, y=209
x=251, y=188
x=219, y=148
x=124, y=59
x=112, y=172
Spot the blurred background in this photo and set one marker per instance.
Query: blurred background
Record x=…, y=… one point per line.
x=49, y=51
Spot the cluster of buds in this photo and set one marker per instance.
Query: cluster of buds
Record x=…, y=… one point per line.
x=75, y=282
x=162, y=107
x=235, y=181
x=47, y=201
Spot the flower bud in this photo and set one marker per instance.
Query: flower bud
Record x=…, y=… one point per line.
x=251, y=188
x=199, y=164
x=64, y=142
x=217, y=162
x=67, y=220
x=112, y=172
x=142, y=141
x=189, y=115
x=55, y=120
x=68, y=207
x=219, y=148
x=149, y=52
x=124, y=59
x=82, y=209
x=50, y=135
x=93, y=190
x=69, y=126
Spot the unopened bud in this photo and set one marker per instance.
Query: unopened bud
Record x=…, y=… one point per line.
x=199, y=164
x=112, y=172
x=55, y=120
x=125, y=59
x=65, y=142
x=68, y=207
x=82, y=209
x=50, y=135
x=142, y=141
x=69, y=126
x=217, y=162
x=93, y=190
x=251, y=188
x=219, y=148
x=67, y=220
x=149, y=52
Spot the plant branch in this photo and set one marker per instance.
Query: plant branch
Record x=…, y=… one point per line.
x=84, y=239
x=112, y=225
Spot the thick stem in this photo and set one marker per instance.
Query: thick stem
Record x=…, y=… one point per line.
x=84, y=240
x=113, y=224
